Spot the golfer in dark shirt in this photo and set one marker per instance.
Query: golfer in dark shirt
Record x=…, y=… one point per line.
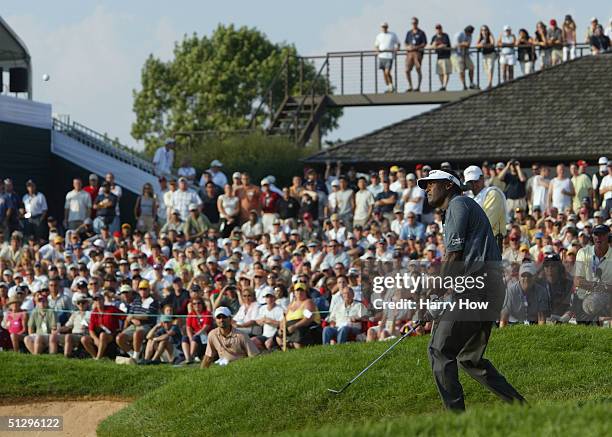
x=459, y=338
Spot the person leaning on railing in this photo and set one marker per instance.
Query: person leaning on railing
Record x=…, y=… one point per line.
x=526, y=52
x=541, y=40
x=486, y=44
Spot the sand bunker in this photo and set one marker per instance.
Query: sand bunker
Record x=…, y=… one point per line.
x=80, y=417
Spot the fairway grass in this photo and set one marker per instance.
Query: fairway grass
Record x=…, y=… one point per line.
x=563, y=371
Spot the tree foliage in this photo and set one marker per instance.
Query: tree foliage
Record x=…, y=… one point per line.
x=214, y=83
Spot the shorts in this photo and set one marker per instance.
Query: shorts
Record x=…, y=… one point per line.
x=507, y=59
x=76, y=339
x=130, y=330
x=462, y=63
x=557, y=55
x=444, y=66
x=413, y=59
x=385, y=63
x=489, y=62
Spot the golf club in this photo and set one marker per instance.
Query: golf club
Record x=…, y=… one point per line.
x=404, y=335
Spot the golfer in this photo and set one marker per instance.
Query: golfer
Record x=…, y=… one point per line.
x=461, y=337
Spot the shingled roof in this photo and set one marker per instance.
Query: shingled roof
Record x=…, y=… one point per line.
x=559, y=114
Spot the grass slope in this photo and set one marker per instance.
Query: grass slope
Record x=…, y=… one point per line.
x=287, y=392
x=564, y=371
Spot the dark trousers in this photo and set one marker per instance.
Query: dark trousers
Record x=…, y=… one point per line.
x=459, y=343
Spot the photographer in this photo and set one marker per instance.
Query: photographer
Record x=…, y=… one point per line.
x=593, y=278
x=515, y=190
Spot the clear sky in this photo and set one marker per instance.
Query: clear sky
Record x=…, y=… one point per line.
x=94, y=51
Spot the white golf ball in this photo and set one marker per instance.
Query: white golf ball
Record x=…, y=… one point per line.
x=45, y=77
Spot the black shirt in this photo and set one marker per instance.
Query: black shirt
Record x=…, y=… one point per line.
x=515, y=189
x=445, y=52
x=416, y=38
x=288, y=208
x=106, y=212
x=209, y=207
x=178, y=303
x=386, y=195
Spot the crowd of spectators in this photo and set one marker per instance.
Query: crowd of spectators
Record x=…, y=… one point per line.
x=274, y=267
x=550, y=44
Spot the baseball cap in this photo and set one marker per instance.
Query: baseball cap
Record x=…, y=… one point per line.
x=527, y=268
x=602, y=161
x=384, y=24
x=507, y=27
x=472, y=173
x=7, y=272
x=582, y=163
x=411, y=177
x=601, y=229
x=264, y=181
x=236, y=175
x=431, y=247
x=300, y=286
x=597, y=214
x=393, y=169
x=211, y=259
x=193, y=207
x=143, y=284
x=335, y=183
x=438, y=175
x=125, y=289
x=426, y=167
x=500, y=165
x=216, y=163
x=539, y=235
x=223, y=311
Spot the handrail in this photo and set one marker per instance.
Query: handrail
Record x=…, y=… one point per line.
x=102, y=143
x=305, y=97
x=268, y=91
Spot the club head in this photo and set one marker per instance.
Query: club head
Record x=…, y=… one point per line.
x=336, y=392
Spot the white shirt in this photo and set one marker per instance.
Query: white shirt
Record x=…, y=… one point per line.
x=386, y=41
x=559, y=199
x=375, y=189
x=539, y=194
x=342, y=314
x=415, y=197
x=275, y=313
x=163, y=160
x=363, y=200
x=218, y=178
x=161, y=198
x=340, y=202
x=607, y=183
x=35, y=205
x=182, y=199
x=188, y=172
x=77, y=203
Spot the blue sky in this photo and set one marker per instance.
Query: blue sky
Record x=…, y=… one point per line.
x=94, y=51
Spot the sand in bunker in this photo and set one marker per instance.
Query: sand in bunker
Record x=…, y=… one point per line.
x=80, y=417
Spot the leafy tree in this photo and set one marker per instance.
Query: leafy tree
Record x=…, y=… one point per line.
x=214, y=83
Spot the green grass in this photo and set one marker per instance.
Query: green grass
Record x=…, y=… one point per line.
x=563, y=371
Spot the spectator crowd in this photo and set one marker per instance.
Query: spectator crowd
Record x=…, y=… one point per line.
x=550, y=44
x=218, y=268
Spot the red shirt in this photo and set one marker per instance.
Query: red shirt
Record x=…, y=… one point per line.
x=110, y=321
x=269, y=202
x=93, y=193
x=198, y=321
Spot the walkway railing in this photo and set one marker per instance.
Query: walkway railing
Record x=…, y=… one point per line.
x=357, y=72
x=101, y=143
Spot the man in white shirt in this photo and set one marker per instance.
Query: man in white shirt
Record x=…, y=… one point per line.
x=560, y=190
x=605, y=189
x=77, y=206
x=342, y=201
x=539, y=189
x=35, y=205
x=164, y=158
x=364, y=203
x=183, y=197
x=218, y=177
x=344, y=319
x=413, y=197
x=269, y=316
x=187, y=170
x=386, y=45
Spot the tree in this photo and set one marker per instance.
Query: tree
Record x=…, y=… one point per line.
x=213, y=84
